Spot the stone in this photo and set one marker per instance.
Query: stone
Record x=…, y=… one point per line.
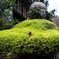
x=41, y=9
x=39, y=5
x=55, y=20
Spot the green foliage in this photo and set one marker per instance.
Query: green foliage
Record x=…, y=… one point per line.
x=4, y=5
x=44, y=38
x=36, y=12
x=6, y=16
x=37, y=24
x=6, y=24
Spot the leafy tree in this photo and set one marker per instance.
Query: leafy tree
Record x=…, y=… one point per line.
x=52, y=12
x=6, y=16
x=4, y=5
x=46, y=3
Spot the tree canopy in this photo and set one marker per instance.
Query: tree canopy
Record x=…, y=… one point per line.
x=5, y=4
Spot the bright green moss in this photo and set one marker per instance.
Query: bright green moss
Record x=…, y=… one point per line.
x=37, y=24
x=44, y=38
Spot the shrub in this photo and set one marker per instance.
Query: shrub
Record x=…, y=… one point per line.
x=6, y=24
x=44, y=38
x=37, y=13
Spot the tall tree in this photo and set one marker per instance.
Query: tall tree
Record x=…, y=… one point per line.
x=46, y=3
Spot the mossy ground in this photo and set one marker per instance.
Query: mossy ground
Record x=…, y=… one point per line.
x=44, y=38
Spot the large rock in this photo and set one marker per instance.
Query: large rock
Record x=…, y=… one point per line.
x=55, y=20
x=39, y=5
x=39, y=9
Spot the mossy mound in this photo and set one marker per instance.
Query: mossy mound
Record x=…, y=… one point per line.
x=31, y=37
x=37, y=24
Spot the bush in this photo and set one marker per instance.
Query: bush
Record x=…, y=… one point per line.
x=6, y=24
x=44, y=38
x=35, y=13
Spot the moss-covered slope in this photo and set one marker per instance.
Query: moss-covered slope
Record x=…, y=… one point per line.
x=31, y=37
